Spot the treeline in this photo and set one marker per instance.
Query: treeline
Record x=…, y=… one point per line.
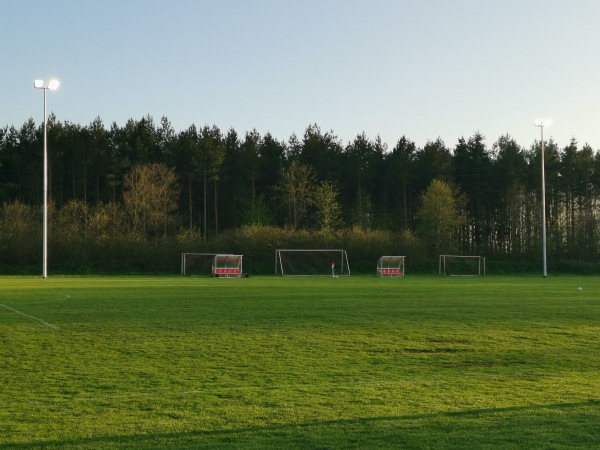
x=147, y=183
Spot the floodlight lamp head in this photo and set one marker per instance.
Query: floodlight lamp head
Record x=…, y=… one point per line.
x=53, y=84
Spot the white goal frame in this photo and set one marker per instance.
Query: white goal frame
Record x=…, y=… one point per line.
x=338, y=267
x=391, y=267
x=480, y=260
x=222, y=264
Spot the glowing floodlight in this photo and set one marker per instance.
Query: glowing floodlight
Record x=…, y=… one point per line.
x=53, y=85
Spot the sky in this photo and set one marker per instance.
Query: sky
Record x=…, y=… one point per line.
x=424, y=69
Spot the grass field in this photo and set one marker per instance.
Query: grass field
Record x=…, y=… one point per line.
x=301, y=363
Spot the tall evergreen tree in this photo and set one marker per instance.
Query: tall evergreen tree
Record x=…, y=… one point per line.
x=473, y=171
x=399, y=177
x=184, y=157
x=509, y=178
x=233, y=186
x=321, y=151
x=250, y=154
x=271, y=163
x=211, y=152
x=433, y=161
x=363, y=176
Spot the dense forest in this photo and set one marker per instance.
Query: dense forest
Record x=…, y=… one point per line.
x=120, y=195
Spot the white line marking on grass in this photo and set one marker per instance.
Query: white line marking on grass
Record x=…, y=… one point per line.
x=54, y=327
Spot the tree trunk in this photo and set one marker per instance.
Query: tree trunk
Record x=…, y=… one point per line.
x=405, y=205
x=216, y=210
x=190, y=202
x=205, y=208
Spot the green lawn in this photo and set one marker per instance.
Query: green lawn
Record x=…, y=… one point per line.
x=304, y=363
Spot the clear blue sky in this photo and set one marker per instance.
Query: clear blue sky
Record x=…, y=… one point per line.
x=420, y=68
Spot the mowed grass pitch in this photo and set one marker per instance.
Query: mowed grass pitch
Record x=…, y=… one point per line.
x=270, y=362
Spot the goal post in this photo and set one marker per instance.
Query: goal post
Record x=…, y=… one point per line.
x=211, y=264
x=311, y=262
x=390, y=267
x=462, y=266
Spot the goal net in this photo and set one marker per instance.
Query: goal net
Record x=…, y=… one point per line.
x=316, y=262
x=390, y=267
x=197, y=263
x=462, y=266
x=211, y=264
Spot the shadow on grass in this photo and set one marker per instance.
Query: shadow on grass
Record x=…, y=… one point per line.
x=259, y=436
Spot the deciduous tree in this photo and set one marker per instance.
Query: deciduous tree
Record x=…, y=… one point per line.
x=297, y=187
x=150, y=198
x=329, y=211
x=439, y=217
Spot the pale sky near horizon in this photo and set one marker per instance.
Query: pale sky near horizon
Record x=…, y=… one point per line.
x=422, y=68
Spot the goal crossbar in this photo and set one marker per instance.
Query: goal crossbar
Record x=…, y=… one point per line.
x=311, y=262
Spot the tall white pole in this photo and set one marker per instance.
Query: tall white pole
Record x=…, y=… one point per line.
x=541, y=125
x=45, y=226
x=52, y=85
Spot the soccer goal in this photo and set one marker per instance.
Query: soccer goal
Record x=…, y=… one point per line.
x=315, y=262
x=211, y=264
x=390, y=267
x=462, y=266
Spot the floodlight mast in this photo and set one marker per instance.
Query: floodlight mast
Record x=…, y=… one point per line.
x=540, y=123
x=52, y=85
